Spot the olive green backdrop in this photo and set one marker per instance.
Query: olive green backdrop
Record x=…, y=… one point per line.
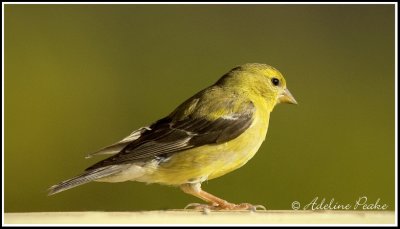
x=80, y=77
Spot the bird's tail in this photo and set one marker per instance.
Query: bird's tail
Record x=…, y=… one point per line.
x=84, y=178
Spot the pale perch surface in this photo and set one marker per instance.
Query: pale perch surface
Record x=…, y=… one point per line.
x=195, y=217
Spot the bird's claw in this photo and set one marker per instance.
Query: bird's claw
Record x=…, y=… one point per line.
x=245, y=206
x=254, y=208
x=196, y=206
x=205, y=208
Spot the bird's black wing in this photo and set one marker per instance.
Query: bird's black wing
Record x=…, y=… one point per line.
x=167, y=136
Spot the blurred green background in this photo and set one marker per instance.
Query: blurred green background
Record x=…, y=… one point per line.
x=80, y=77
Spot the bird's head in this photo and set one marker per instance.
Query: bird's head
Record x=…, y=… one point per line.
x=258, y=80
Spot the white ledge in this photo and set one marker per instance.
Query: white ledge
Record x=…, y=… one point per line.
x=196, y=217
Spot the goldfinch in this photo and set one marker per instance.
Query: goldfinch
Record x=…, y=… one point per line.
x=214, y=132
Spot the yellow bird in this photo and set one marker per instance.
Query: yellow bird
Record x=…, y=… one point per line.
x=214, y=132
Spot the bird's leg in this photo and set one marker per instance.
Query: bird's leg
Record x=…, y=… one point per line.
x=215, y=203
x=195, y=190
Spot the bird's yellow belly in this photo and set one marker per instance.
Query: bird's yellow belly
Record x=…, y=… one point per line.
x=209, y=161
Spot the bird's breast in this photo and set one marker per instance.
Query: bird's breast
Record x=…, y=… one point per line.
x=239, y=151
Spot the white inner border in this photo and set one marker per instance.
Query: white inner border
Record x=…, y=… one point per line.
x=203, y=3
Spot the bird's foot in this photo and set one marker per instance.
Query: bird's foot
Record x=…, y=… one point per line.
x=205, y=208
x=226, y=206
x=242, y=206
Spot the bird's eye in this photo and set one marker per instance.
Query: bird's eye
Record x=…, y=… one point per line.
x=275, y=81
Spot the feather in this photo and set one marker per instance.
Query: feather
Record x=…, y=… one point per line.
x=86, y=177
x=169, y=135
x=117, y=147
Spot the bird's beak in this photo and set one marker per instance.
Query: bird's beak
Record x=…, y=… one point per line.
x=286, y=97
